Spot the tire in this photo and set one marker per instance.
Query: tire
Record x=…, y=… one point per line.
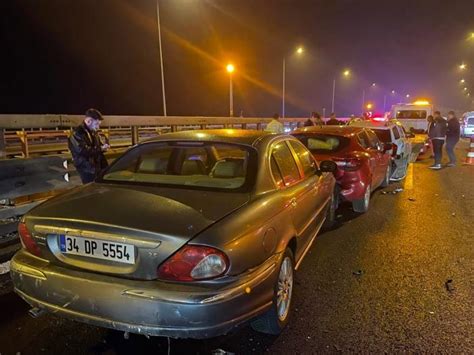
x=276, y=318
x=362, y=205
x=386, y=179
x=331, y=212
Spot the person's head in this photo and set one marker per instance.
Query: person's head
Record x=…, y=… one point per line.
x=276, y=116
x=437, y=114
x=451, y=114
x=333, y=115
x=93, y=119
x=316, y=115
x=430, y=118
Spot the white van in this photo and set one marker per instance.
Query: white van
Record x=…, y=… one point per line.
x=413, y=116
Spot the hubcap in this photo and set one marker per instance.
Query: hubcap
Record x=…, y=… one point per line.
x=285, y=287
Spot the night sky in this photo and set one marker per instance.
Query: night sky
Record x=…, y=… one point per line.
x=63, y=56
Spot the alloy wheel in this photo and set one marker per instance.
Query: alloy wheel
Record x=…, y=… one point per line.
x=285, y=288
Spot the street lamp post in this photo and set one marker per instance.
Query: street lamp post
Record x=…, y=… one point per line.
x=299, y=50
x=346, y=74
x=230, y=69
x=161, y=57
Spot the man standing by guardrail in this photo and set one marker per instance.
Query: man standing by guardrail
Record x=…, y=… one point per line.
x=86, y=147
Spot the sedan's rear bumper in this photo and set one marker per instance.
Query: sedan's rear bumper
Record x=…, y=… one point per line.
x=144, y=307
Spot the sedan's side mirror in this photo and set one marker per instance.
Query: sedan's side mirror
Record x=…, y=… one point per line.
x=327, y=166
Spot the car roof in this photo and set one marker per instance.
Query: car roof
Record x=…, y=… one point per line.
x=375, y=124
x=336, y=130
x=236, y=136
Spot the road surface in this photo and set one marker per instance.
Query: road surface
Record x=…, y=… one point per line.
x=377, y=282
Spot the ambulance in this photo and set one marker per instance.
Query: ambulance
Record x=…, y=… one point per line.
x=413, y=115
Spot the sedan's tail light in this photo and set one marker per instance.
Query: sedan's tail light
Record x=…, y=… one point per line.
x=194, y=262
x=27, y=239
x=348, y=164
x=394, y=150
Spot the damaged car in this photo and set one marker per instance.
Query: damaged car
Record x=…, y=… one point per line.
x=187, y=235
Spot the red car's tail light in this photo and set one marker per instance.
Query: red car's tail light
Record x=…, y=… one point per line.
x=394, y=150
x=194, y=262
x=27, y=239
x=348, y=164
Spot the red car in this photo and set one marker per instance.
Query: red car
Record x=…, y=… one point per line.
x=362, y=159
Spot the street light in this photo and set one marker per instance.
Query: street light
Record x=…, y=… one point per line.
x=369, y=106
x=462, y=81
x=363, y=94
x=230, y=69
x=465, y=89
x=346, y=73
x=462, y=66
x=393, y=92
x=373, y=84
x=299, y=51
x=161, y=57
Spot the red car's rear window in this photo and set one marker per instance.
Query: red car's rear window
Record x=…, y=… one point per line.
x=323, y=143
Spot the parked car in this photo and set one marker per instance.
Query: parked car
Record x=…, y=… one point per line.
x=362, y=159
x=392, y=132
x=187, y=235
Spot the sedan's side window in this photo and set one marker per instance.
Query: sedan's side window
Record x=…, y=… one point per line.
x=396, y=134
x=363, y=140
x=286, y=164
x=276, y=172
x=402, y=132
x=305, y=158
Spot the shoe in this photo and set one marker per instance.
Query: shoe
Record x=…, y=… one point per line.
x=435, y=166
x=450, y=165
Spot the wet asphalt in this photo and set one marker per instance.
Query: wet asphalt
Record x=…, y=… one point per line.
x=399, y=278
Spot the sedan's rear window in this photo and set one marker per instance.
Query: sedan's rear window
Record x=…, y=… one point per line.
x=323, y=143
x=383, y=134
x=203, y=165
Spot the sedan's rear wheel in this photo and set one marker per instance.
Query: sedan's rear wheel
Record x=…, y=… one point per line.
x=276, y=318
x=386, y=180
x=362, y=205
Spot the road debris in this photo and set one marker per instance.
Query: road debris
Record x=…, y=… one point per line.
x=357, y=272
x=449, y=285
x=411, y=199
x=453, y=214
x=221, y=352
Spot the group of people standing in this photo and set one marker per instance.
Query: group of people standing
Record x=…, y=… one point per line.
x=440, y=132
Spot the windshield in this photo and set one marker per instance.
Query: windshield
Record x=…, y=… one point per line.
x=383, y=134
x=202, y=165
x=323, y=143
x=412, y=114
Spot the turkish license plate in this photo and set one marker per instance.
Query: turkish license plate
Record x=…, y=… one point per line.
x=95, y=248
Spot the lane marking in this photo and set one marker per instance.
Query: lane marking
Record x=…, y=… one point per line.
x=409, y=178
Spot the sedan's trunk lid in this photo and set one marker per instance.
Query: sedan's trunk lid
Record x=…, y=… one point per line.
x=151, y=222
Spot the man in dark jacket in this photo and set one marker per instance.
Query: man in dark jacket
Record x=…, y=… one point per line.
x=86, y=147
x=437, y=134
x=333, y=121
x=452, y=137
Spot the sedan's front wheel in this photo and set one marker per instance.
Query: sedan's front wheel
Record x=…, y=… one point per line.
x=276, y=318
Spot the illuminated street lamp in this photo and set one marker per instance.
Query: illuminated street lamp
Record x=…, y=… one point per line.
x=462, y=66
x=465, y=89
x=346, y=73
x=369, y=106
x=299, y=51
x=462, y=81
x=161, y=57
x=393, y=92
x=363, y=94
x=230, y=69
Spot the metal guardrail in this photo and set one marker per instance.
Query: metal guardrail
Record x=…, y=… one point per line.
x=26, y=134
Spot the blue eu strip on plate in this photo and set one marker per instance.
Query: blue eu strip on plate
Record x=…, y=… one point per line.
x=62, y=242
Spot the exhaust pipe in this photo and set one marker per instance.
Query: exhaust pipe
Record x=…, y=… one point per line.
x=36, y=312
